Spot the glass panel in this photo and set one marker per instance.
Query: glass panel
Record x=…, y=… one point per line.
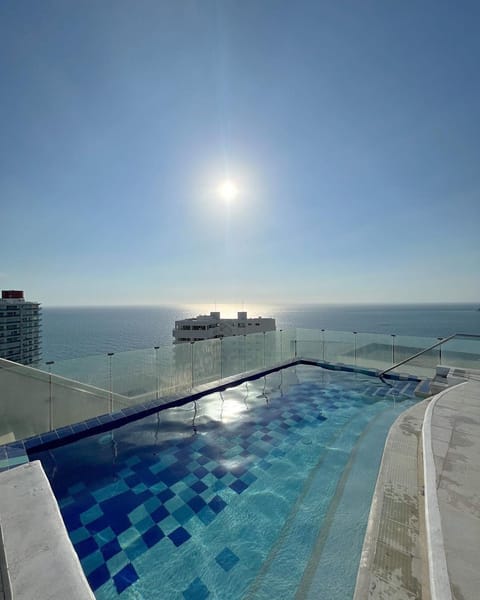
x=88, y=369
x=340, y=347
x=461, y=352
x=311, y=343
x=374, y=350
x=24, y=405
x=233, y=355
x=71, y=404
x=272, y=349
x=254, y=345
x=175, y=365
x=132, y=373
x=206, y=361
x=421, y=366
x=288, y=344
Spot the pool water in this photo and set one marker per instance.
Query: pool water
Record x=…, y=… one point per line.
x=260, y=491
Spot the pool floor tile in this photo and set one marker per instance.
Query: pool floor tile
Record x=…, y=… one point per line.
x=125, y=578
x=182, y=489
x=227, y=559
x=179, y=536
x=197, y=590
x=153, y=536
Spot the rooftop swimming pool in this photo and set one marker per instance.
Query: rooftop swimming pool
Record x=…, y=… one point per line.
x=260, y=491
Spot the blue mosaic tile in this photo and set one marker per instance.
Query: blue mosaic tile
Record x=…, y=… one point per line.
x=179, y=536
x=165, y=495
x=227, y=559
x=153, y=536
x=196, y=503
x=98, y=577
x=200, y=472
x=78, y=427
x=206, y=515
x=217, y=504
x=183, y=514
x=106, y=418
x=219, y=485
x=32, y=442
x=14, y=452
x=199, y=487
x=159, y=514
x=197, y=590
x=182, y=480
x=85, y=547
x=99, y=524
x=124, y=578
x=63, y=431
x=110, y=549
x=49, y=437
x=136, y=549
x=238, y=486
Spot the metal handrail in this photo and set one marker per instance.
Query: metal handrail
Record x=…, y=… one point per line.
x=402, y=362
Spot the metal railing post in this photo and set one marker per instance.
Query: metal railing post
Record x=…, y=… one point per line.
x=191, y=364
x=221, y=358
x=244, y=352
x=50, y=405
x=110, y=376
x=440, y=352
x=355, y=347
x=156, y=370
x=264, y=359
x=323, y=344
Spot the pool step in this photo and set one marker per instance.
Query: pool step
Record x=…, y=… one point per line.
x=299, y=547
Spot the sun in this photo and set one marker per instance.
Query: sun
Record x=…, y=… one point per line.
x=228, y=190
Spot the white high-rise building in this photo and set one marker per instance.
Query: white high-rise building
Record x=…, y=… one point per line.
x=20, y=339
x=207, y=327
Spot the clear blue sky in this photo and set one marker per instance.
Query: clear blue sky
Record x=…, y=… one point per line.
x=352, y=130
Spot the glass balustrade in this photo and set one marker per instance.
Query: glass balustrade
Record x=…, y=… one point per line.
x=65, y=392
x=462, y=352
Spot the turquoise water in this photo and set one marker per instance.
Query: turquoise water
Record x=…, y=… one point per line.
x=262, y=491
x=74, y=332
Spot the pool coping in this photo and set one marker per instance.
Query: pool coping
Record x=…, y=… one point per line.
x=37, y=558
x=393, y=560
x=437, y=561
x=452, y=433
x=16, y=453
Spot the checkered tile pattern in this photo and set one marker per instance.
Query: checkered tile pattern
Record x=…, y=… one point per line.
x=144, y=499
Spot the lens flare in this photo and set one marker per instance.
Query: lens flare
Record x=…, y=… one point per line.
x=228, y=190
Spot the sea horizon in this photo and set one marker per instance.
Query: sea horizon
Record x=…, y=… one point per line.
x=75, y=331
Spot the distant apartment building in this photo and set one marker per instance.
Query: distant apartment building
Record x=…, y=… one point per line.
x=20, y=338
x=207, y=327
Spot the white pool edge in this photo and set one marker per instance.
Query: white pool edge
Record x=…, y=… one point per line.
x=40, y=560
x=439, y=579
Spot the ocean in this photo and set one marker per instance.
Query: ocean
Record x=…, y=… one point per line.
x=72, y=332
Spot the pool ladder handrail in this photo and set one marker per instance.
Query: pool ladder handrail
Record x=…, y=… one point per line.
x=439, y=343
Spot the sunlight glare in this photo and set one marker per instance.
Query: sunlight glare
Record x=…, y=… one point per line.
x=228, y=190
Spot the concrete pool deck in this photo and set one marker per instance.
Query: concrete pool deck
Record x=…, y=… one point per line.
x=456, y=449
x=423, y=539
x=37, y=559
